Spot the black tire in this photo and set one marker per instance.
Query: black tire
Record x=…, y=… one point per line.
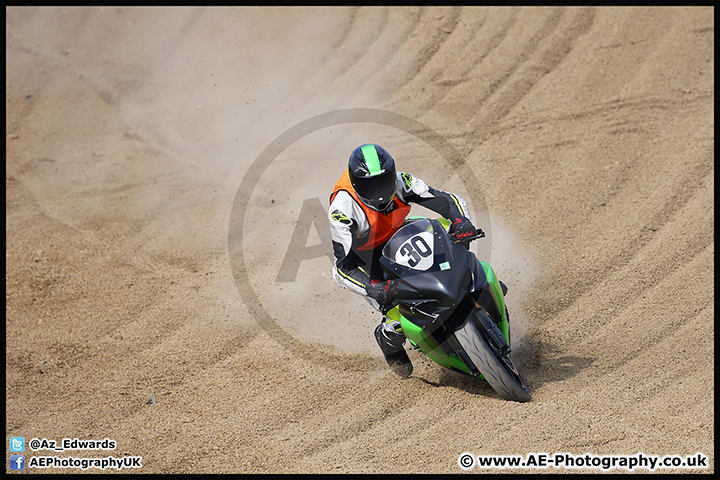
x=498, y=370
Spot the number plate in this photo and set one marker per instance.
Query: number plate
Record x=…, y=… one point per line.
x=417, y=252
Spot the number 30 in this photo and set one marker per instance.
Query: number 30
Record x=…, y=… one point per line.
x=416, y=249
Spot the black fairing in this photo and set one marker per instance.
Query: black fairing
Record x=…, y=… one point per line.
x=437, y=298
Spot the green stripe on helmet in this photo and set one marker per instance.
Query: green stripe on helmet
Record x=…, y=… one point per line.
x=371, y=159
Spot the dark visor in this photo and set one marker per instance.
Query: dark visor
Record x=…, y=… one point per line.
x=378, y=191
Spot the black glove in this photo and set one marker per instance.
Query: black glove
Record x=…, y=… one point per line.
x=462, y=228
x=382, y=291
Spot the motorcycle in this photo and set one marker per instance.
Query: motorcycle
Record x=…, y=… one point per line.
x=451, y=305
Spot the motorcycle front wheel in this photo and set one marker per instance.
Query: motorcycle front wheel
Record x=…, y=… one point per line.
x=497, y=368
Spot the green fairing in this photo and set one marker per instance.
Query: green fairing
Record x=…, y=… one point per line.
x=496, y=291
x=444, y=222
x=426, y=345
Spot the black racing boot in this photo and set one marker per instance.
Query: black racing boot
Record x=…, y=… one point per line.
x=503, y=287
x=391, y=344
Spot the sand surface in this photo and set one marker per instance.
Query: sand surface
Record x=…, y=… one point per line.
x=168, y=284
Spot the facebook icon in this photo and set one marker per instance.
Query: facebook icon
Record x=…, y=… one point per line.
x=17, y=462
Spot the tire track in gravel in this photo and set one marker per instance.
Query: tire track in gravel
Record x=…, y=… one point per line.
x=362, y=29
x=491, y=99
x=685, y=189
x=373, y=53
x=469, y=45
x=425, y=52
x=547, y=48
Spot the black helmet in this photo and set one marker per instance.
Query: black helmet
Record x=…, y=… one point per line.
x=372, y=174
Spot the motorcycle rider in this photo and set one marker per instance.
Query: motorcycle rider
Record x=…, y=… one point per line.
x=368, y=205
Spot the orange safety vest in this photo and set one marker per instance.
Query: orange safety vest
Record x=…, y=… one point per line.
x=382, y=226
